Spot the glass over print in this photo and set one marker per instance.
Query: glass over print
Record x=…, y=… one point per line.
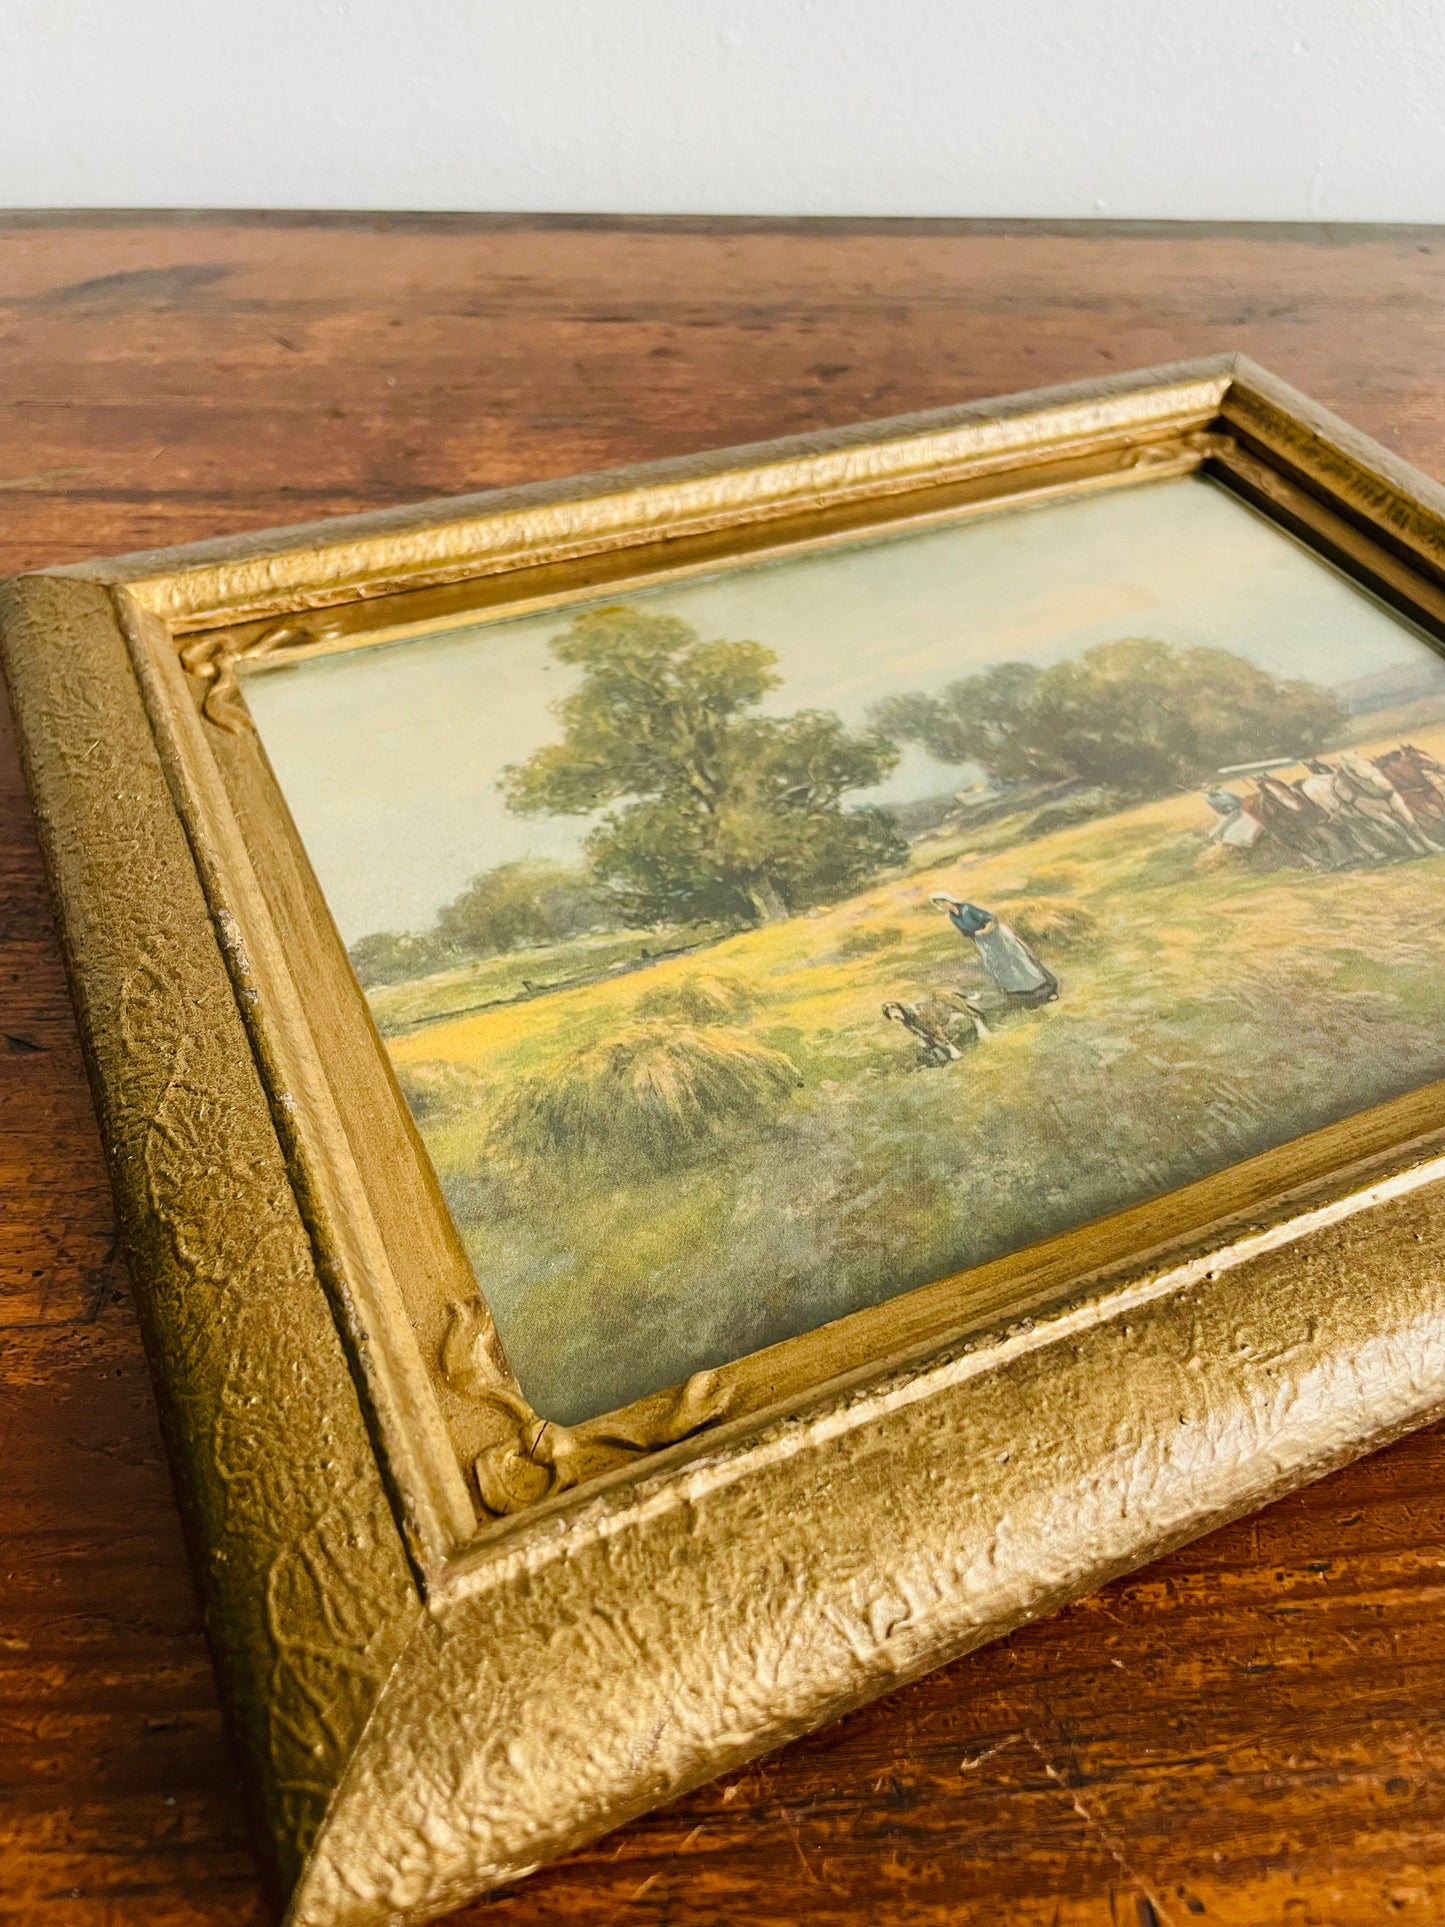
x=760, y=945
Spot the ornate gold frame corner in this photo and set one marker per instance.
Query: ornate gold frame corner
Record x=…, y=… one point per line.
x=456, y=1639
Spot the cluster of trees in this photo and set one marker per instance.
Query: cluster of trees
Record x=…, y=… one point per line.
x=718, y=813
x=707, y=810
x=1136, y=717
x=710, y=811
x=507, y=908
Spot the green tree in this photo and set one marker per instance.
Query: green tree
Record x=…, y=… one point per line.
x=1136, y=716
x=394, y=956
x=522, y=903
x=974, y=720
x=719, y=812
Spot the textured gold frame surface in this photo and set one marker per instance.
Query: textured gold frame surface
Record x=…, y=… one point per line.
x=455, y=1639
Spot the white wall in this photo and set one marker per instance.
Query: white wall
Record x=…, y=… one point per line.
x=1259, y=109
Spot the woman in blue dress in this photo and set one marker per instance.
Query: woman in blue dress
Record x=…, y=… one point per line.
x=1003, y=953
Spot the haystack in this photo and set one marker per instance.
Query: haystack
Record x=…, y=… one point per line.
x=651, y=1098
x=710, y=999
x=434, y=1088
x=1049, y=923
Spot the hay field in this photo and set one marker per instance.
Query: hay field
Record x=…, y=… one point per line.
x=678, y=1164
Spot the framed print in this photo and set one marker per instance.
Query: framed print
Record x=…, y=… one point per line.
x=727, y=1080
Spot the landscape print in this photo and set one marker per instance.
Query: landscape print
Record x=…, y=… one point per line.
x=756, y=948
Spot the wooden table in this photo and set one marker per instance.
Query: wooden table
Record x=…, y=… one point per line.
x=1252, y=1731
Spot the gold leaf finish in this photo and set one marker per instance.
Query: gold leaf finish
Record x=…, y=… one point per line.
x=456, y=1638
x=294, y=571
x=308, y=1597
x=637, y=1642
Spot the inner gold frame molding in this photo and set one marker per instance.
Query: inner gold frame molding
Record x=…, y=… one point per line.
x=455, y=1639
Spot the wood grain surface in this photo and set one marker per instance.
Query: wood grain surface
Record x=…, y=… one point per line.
x=1252, y=1731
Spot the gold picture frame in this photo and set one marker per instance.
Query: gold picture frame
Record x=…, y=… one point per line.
x=456, y=1639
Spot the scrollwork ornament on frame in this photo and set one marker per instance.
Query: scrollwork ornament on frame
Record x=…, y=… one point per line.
x=211, y=658
x=528, y=1458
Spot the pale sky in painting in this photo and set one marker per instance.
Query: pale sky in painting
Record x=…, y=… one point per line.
x=389, y=756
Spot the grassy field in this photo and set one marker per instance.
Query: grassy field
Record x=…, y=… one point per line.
x=1208, y=1010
